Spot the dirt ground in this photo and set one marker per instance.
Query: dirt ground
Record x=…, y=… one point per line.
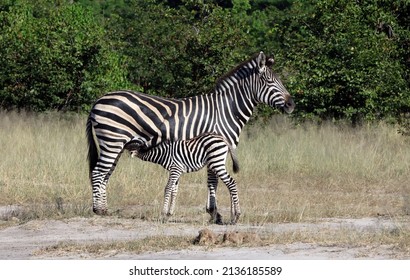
x=27, y=240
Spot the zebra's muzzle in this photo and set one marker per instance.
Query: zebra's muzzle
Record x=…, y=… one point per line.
x=289, y=105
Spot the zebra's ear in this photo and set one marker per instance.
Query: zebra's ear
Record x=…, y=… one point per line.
x=261, y=60
x=270, y=61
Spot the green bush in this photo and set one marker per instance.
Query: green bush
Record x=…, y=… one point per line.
x=345, y=61
x=181, y=51
x=54, y=56
x=341, y=60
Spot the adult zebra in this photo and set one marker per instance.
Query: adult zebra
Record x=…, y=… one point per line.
x=118, y=117
x=184, y=156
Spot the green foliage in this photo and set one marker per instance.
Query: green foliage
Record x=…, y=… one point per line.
x=343, y=62
x=53, y=57
x=105, y=8
x=180, y=52
x=347, y=60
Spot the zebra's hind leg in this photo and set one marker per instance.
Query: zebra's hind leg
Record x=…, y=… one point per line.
x=233, y=191
x=99, y=180
x=99, y=193
x=211, y=206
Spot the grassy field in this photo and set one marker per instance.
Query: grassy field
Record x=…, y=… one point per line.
x=287, y=173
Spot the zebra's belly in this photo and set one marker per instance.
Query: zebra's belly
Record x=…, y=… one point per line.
x=193, y=167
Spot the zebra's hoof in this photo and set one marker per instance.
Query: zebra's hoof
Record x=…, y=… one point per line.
x=234, y=222
x=235, y=219
x=218, y=219
x=165, y=218
x=101, y=212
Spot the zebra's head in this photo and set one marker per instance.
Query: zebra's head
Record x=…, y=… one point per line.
x=136, y=146
x=271, y=90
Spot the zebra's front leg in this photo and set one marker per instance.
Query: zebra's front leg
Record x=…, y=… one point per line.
x=211, y=206
x=174, y=193
x=170, y=194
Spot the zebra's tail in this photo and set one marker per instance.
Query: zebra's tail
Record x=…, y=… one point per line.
x=235, y=164
x=92, y=147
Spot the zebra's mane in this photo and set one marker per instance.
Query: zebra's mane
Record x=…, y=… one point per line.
x=234, y=70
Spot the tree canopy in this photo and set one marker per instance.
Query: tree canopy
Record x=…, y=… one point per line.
x=340, y=59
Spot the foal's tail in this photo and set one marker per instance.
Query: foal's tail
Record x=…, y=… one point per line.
x=235, y=164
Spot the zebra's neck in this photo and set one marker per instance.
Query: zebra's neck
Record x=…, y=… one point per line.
x=236, y=93
x=154, y=154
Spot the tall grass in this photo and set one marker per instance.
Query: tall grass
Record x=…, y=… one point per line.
x=287, y=173
x=43, y=162
x=325, y=171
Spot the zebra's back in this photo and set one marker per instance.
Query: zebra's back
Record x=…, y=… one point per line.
x=129, y=114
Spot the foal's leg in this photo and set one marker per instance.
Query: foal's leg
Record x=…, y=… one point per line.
x=211, y=206
x=174, y=193
x=171, y=190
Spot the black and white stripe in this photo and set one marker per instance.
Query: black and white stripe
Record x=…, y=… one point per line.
x=118, y=117
x=184, y=156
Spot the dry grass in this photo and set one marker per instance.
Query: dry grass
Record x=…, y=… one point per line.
x=152, y=244
x=43, y=164
x=313, y=172
x=287, y=173
x=396, y=240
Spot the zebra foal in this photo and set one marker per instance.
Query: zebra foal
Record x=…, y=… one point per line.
x=184, y=156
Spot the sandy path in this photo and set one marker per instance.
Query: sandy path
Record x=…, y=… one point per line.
x=25, y=241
